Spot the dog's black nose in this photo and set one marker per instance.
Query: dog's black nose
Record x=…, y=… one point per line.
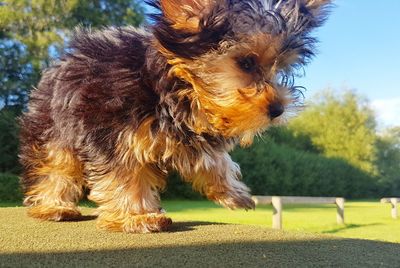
x=275, y=109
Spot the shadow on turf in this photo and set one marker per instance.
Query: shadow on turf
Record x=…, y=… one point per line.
x=176, y=227
x=349, y=226
x=183, y=226
x=307, y=253
x=83, y=218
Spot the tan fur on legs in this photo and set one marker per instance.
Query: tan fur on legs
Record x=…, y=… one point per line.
x=220, y=183
x=57, y=187
x=128, y=199
x=54, y=213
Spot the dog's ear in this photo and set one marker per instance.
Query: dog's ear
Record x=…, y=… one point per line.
x=189, y=28
x=304, y=15
x=301, y=17
x=316, y=4
x=317, y=10
x=186, y=14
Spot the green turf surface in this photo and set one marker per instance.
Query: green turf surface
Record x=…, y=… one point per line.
x=27, y=242
x=364, y=220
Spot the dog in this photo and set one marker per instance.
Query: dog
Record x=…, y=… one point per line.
x=125, y=106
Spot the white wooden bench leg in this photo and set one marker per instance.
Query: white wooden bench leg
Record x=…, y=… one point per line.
x=340, y=210
x=393, y=202
x=276, y=212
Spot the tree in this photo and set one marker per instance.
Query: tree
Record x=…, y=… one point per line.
x=388, y=161
x=9, y=140
x=340, y=125
x=32, y=32
x=16, y=75
x=35, y=31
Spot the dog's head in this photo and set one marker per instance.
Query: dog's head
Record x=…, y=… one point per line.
x=238, y=56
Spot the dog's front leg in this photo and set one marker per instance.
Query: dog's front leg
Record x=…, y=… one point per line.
x=220, y=182
x=128, y=199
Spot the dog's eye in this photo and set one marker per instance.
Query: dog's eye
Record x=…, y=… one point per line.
x=247, y=64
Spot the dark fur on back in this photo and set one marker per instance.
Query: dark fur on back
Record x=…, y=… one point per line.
x=113, y=79
x=95, y=91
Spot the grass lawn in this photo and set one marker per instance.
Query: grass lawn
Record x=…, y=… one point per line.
x=364, y=220
x=196, y=239
x=205, y=235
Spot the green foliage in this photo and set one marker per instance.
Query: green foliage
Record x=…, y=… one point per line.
x=9, y=140
x=277, y=169
x=9, y=188
x=97, y=13
x=44, y=24
x=177, y=188
x=285, y=136
x=340, y=126
x=33, y=32
x=388, y=161
x=16, y=74
x=34, y=24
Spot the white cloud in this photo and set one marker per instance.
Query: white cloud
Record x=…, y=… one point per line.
x=387, y=111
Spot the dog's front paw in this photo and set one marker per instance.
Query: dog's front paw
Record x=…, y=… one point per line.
x=236, y=198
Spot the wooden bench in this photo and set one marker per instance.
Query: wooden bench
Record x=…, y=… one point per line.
x=393, y=201
x=278, y=201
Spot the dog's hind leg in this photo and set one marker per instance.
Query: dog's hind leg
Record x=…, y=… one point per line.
x=128, y=198
x=52, y=182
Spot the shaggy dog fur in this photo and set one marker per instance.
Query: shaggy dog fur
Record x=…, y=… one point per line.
x=125, y=106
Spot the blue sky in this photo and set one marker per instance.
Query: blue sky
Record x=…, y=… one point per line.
x=359, y=49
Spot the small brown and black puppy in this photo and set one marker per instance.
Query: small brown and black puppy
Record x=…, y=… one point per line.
x=125, y=106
